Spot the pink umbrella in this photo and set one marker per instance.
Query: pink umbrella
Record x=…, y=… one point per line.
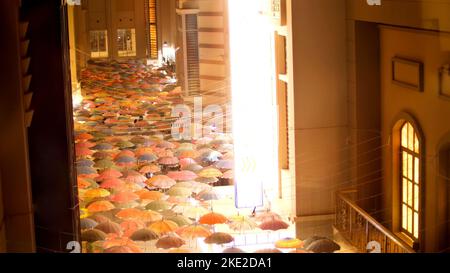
x=124, y=197
x=186, y=162
x=109, y=174
x=182, y=175
x=134, y=177
x=274, y=225
x=111, y=183
x=168, y=161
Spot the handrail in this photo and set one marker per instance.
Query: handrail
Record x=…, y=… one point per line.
x=386, y=232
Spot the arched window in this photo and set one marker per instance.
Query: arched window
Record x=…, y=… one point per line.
x=410, y=169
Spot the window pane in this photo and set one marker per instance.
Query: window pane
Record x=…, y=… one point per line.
x=404, y=217
x=410, y=221
x=416, y=198
x=405, y=190
x=405, y=136
x=416, y=170
x=410, y=167
x=410, y=194
x=99, y=43
x=416, y=225
x=416, y=144
x=410, y=137
x=405, y=164
x=126, y=42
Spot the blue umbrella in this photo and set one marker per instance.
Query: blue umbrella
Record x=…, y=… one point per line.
x=85, y=163
x=103, y=147
x=86, y=170
x=148, y=158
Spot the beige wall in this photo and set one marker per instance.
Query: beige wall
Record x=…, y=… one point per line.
x=318, y=92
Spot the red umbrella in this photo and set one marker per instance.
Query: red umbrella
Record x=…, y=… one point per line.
x=124, y=197
x=112, y=183
x=274, y=225
x=109, y=174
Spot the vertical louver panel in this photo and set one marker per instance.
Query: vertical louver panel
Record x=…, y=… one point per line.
x=192, y=53
x=153, y=29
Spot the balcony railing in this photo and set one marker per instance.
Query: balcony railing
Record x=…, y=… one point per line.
x=363, y=231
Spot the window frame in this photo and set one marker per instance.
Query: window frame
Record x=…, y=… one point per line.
x=416, y=155
x=99, y=54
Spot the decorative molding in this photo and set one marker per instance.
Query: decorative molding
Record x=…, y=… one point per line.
x=408, y=73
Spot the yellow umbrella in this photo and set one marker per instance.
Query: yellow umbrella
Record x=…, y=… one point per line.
x=96, y=193
x=289, y=243
x=210, y=173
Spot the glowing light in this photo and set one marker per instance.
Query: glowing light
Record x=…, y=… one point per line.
x=254, y=108
x=77, y=98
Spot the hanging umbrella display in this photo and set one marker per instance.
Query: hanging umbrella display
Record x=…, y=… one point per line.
x=213, y=218
x=103, y=147
x=233, y=250
x=323, y=246
x=147, y=158
x=93, y=235
x=85, y=163
x=169, y=161
x=193, y=167
x=195, y=212
x=219, y=238
x=268, y=251
x=150, y=195
x=180, y=220
x=119, y=250
x=150, y=169
x=207, y=195
x=134, y=177
x=224, y=164
x=83, y=183
x=170, y=241
x=131, y=226
x=274, y=225
x=104, y=164
x=267, y=216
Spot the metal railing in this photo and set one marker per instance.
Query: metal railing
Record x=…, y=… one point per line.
x=362, y=230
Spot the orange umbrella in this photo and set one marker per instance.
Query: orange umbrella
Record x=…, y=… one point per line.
x=163, y=227
x=83, y=137
x=124, y=197
x=161, y=181
x=150, y=169
x=100, y=206
x=182, y=175
x=210, y=173
x=81, y=152
x=83, y=183
x=193, y=232
x=213, y=219
x=109, y=174
x=170, y=241
x=131, y=226
x=96, y=193
x=112, y=183
x=150, y=195
x=130, y=214
x=187, y=154
x=151, y=216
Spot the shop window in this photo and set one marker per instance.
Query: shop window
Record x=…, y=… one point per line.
x=410, y=180
x=126, y=42
x=99, y=43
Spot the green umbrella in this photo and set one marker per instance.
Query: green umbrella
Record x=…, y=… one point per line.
x=180, y=220
x=180, y=191
x=158, y=205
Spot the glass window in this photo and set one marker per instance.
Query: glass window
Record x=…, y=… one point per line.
x=99, y=43
x=153, y=28
x=410, y=172
x=126, y=42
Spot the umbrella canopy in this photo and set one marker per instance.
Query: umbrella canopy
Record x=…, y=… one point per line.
x=112, y=183
x=224, y=164
x=210, y=172
x=109, y=227
x=87, y=223
x=180, y=220
x=168, y=161
x=148, y=158
x=83, y=183
x=163, y=227
x=85, y=163
x=158, y=205
x=268, y=250
x=179, y=191
x=103, y=147
x=93, y=235
x=104, y=164
x=233, y=250
x=193, y=167
x=267, y=216
x=124, y=197
x=323, y=246
x=182, y=175
x=170, y=241
x=289, y=243
x=150, y=195
x=100, y=206
x=108, y=174
x=119, y=250
x=150, y=169
x=228, y=174
x=274, y=225
x=161, y=181
x=193, y=232
x=242, y=223
x=195, y=212
x=96, y=193
x=144, y=235
x=134, y=177
x=207, y=195
x=131, y=226
x=219, y=238
x=213, y=219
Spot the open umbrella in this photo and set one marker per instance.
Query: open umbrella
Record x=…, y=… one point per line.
x=274, y=225
x=109, y=227
x=104, y=164
x=182, y=175
x=268, y=250
x=96, y=193
x=207, y=195
x=213, y=218
x=150, y=195
x=161, y=181
x=144, y=235
x=124, y=197
x=108, y=174
x=210, y=172
x=180, y=220
x=289, y=243
x=194, y=212
x=93, y=235
x=158, y=205
x=242, y=223
x=147, y=158
x=323, y=246
x=163, y=227
x=179, y=191
x=112, y=183
x=219, y=238
x=134, y=177
x=150, y=169
x=170, y=241
x=233, y=250
x=87, y=223
x=193, y=232
x=267, y=216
